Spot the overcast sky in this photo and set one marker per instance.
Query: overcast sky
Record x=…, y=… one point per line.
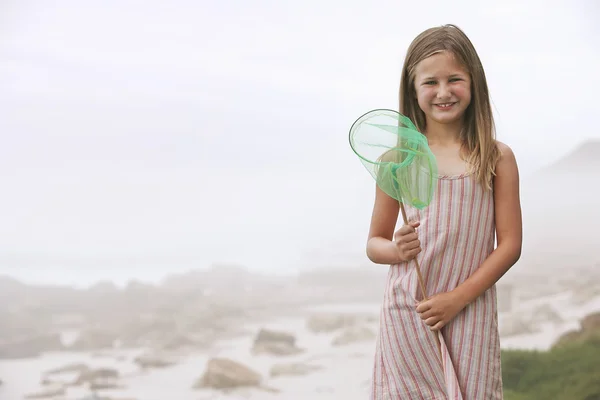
x=146, y=137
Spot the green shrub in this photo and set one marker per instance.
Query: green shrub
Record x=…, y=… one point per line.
x=570, y=371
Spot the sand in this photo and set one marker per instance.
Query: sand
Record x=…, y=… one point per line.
x=345, y=372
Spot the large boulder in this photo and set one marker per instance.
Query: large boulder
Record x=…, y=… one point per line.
x=224, y=374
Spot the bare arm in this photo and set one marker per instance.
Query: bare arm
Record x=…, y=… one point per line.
x=380, y=247
x=508, y=230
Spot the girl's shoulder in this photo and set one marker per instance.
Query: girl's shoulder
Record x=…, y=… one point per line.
x=506, y=154
x=506, y=174
x=503, y=147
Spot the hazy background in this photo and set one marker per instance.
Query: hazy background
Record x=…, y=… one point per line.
x=177, y=193
x=144, y=137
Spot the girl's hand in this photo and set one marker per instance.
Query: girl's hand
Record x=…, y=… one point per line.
x=440, y=309
x=407, y=241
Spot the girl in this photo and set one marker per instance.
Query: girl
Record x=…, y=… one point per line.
x=443, y=90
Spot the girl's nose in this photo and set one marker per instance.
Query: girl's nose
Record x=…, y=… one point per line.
x=443, y=91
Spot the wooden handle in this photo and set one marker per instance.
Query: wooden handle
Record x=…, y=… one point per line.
x=419, y=276
x=421, y=284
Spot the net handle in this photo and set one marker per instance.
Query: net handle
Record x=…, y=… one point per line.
x=419, y=275
x=438, y=336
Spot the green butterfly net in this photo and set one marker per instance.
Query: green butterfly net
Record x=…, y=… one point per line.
x=397, y=155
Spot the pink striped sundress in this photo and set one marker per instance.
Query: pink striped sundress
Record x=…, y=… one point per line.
x=457, y=233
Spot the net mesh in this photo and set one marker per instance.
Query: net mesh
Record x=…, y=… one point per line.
x=397, y=155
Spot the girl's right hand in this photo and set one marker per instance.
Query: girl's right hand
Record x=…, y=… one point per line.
x=407, y=241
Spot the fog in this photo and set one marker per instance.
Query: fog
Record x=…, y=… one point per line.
x=178, y=176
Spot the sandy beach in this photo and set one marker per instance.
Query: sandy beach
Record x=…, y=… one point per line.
x=341, y=371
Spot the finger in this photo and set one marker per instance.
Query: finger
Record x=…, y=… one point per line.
x=415, y=224
x=423, y=307
x=407, y=237
x=410, y=242
x=427, y=314
x=438, y=326
x=432, y=321
x=405, y=230
x=412, y=253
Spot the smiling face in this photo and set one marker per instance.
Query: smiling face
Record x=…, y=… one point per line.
x=443, y=88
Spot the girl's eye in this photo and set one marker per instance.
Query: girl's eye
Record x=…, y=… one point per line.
x=455, y=79
x=430, y=83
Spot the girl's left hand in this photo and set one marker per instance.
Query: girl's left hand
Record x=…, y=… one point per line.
x=440, y=309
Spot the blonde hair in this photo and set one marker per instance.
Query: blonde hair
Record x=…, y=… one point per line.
x=478, y=137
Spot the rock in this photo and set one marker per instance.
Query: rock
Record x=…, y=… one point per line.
x=591, y=322
x=56, y=376
x=354, y=334
x=30, y=347
x=275, y=343
x=265, y=335
x=74, y=367
x=319, y=323
x=100, y=378
x=295, y=369
x=56, y=382
x=102, y=385
x=276, y=349
x=48, y=393
x=185, y=341
x=590, y=330
x=223, y=373
x=154, y=361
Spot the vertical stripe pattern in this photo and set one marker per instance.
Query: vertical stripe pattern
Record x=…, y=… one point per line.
x=457, y=234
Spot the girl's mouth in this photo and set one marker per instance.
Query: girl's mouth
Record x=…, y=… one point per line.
x=444, y=106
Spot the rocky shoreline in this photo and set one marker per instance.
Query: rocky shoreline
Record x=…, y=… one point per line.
x=196, y=320
x=277, y=351
x=289, y=359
